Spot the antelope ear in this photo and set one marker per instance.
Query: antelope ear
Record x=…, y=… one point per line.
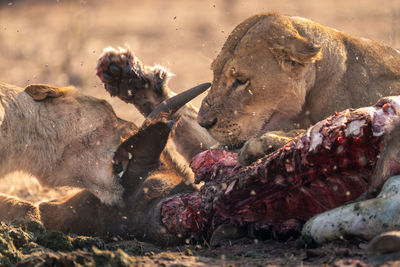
x=40, y=92
x=296, y=49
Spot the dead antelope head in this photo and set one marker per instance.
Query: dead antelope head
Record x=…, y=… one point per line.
x=140, y=154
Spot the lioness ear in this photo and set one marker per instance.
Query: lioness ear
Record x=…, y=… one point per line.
x=41, y=91
x=296, y=49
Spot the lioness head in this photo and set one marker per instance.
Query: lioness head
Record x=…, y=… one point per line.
x=260, y=80
x=80, y=135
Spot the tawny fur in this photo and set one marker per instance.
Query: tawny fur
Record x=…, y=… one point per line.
x=66, y=139
x=279, y=73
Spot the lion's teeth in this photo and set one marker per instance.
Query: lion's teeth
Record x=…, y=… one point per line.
x=121, y=174
x=129, y=155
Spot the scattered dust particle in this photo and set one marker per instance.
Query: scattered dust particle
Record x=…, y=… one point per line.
x=252, y=192
x=174, y=17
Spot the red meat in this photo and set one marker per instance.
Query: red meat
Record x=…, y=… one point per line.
x=321, y=169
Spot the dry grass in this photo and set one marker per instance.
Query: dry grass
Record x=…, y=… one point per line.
x=58, y=41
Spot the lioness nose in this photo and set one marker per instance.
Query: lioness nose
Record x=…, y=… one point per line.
x=207, y=123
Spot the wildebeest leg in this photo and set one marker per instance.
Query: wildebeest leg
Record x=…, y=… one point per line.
x=126, y=77
x=83, y=213
x=14, y=208
x=363, y=219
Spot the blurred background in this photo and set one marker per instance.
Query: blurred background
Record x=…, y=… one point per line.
x=58, y=41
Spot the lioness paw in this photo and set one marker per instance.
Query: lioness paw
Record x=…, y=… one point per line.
x=127, y=78
x=258, y=147
x=252, y=150
x=120, y=72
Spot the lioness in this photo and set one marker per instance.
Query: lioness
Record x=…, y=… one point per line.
x=280, y=73
x=61, y=137
x=65, y=138
x=274, y=76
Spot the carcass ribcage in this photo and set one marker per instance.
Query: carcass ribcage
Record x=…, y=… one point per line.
x=327, y=166
x=318, y=171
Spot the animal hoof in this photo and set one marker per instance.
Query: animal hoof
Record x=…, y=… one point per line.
x=388, y=242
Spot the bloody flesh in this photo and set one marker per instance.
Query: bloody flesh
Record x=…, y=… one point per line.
x=327, y=166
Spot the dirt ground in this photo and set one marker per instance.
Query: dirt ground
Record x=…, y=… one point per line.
x=59, y=41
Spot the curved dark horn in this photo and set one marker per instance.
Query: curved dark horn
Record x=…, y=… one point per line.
x=174, y=103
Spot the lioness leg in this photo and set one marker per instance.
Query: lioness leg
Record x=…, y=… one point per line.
x=12, y=208
x=258, y=147
x=126, y=77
